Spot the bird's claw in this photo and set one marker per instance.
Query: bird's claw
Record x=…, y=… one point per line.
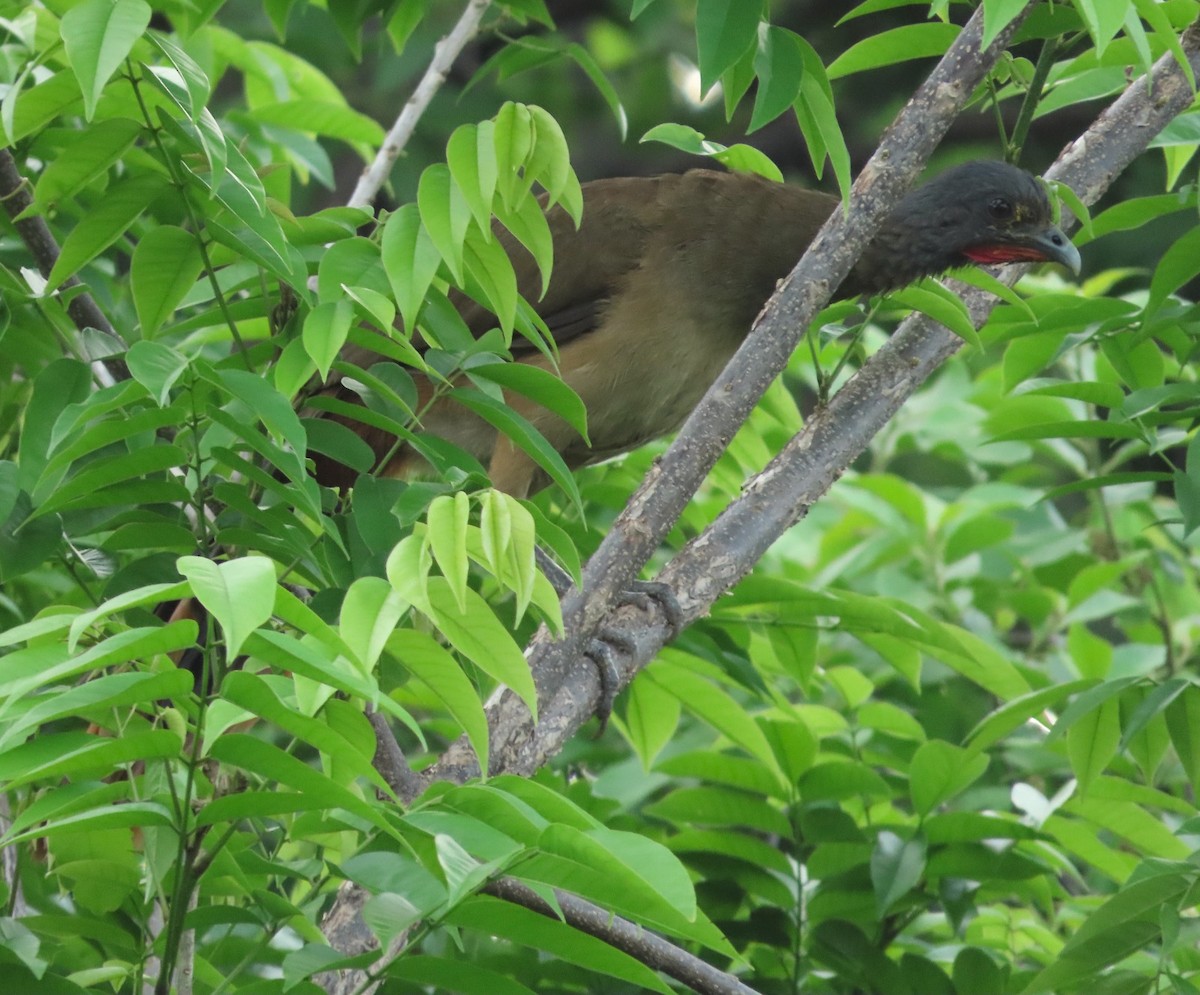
x=641, y=592
x=608, y=637
x=600, y=652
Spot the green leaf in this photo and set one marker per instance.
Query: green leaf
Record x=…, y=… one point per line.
x=448, y=519
x=239, y=593
x=1183, y=723
x=454, y=975
x=98, y=35
x=410, y=259
x=326, y=328
x=1179, y=264
x=478, y=635
x=539, y=385
x=276, y=767
x=913, y=41
x=939, y=771
x=896, y=867
x=156, y=367
x=320, y=117
x=165, y=265
x=1092, y=742
x=78, y=754
x=1103, y=19
x=1013, y=714
x=998, y=15
x=493, y=917
x=942, y=305
x=99, y=695
x=256, y=696
x=122, y=205
x=779, y=66
x=435, y=667
x=522, y=434
x=716, y=707
x=725, y=29
x=88, y=154
x=445, y=215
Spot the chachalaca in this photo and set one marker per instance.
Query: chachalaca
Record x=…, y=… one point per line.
x=653, y=293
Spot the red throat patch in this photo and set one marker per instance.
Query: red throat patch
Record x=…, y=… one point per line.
x=987, y=255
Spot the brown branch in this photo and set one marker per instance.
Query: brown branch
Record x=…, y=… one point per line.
x=651, y=950
x=38, y=239
x=389, y=760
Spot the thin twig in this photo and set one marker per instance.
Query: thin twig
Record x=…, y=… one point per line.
x=651, y=950
x=444, y=54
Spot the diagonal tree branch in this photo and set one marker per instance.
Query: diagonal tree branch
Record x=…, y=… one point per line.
x=653, y=510
x=783, y=492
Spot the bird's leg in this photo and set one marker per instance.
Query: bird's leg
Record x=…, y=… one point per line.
x=608, y=637
x=600, y=650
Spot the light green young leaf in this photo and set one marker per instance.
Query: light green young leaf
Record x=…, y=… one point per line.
x=410, y=259
x=370, y=611
x=448, y=519
x=445, y=214
x=437, y=669
x=514, y=138
x=481, y=638
x=239, y=594
x=489, y=266
x=471, y=156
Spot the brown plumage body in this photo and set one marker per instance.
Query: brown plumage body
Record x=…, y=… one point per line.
x=654, y=292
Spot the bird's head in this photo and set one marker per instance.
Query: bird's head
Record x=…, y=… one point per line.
x=980, y=212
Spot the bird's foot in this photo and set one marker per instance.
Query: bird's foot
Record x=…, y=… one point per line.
x=609, y=638
x=601, y=652
x=641, y=593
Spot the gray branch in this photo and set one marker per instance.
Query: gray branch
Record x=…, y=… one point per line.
x=567, y=695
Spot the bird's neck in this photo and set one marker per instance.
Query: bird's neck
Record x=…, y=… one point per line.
x=906, y=248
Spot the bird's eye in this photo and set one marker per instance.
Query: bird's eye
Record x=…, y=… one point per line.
x=1000, y=208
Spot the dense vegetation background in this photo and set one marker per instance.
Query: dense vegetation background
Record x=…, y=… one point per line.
x=944, y=738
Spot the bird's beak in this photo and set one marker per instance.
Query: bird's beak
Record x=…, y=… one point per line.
x=1039, y=245
x=1055, y=247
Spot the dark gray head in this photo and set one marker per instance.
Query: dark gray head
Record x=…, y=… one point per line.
x=980, y=212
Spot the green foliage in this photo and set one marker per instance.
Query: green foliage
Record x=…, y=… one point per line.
x=944, y=739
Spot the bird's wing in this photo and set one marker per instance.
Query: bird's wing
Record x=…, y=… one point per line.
x=589, y=262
